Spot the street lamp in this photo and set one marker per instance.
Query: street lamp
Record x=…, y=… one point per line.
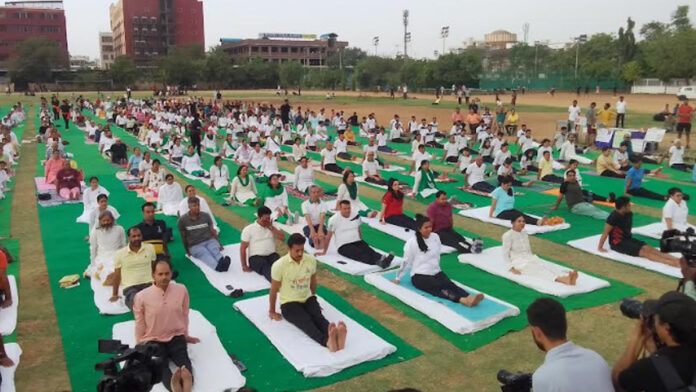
x=536, y=56
x=444, y=33
x=407, y=35
x=581, y=39
x=375, y=42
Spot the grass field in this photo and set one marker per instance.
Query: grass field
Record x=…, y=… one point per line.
x=443, y=365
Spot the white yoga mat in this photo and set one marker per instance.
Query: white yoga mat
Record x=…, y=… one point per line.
x=393, y=168
x=13, y=351
x=361, y=180
x=303, y=353
x=397, y=231
x=204, y=180
x=444, y=311
x=589, y=245
x=482, y=215
x=491, y=260
x=213, y=369
x=8, y=316
x=102, y=294
x=655, y=230
x=234, y=276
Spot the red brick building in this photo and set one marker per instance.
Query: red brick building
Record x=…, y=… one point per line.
x=21, y=20
x=146, y=29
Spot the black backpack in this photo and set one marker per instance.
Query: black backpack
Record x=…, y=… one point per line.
x=669, y=376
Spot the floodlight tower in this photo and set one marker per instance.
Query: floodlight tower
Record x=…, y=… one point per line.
x=444, y=33
x=375, y=42
x=407, y=36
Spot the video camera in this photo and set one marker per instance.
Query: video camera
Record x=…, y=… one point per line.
x=683, y=242
x=141, y=370
x=515, y=382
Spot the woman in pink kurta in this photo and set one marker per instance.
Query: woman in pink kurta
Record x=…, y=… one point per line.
x=53, y=166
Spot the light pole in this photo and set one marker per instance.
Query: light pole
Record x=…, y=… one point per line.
x=407, y=36
x=444, y=33
x=536, y=56
x=375, y=42
x=581, y=39
x=436, y=53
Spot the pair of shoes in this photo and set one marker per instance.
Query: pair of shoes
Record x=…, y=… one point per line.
x=386, y=260
x=223, y=264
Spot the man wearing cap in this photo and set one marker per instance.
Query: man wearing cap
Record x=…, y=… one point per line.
x=673, y=319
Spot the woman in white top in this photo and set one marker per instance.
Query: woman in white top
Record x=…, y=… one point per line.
x=518, y=253
x=209, y=142
x=154, y=178
x=243, y=188
x=424, y=184
x=348, y=190
x=422, y=258
x=228, y=147
x=219, y=176
x=274, y=197
x=102, y=205
x=89, y=198
x=176, y=154
x=298, y=150
x=304, y=176
x=675, y=212
x=191, y=163
x=104, y=241
x=256, y=156
x=676, y=157
x=269, y=166
x=145, y=164
x=169, y=196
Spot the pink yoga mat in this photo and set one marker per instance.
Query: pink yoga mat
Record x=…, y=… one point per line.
x=41, y=185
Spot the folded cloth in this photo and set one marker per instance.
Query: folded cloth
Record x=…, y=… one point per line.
x=69, y=281
x=8, y=316
x=655, y=230
x=482, y=215
x=589, y=245
x=234, y=276
x=124, y=176
x=13, y=351
x=491, y=260
x=213, y=369
x=454, y=316
x=303, y=353
x=335, y=260
x=397, y=231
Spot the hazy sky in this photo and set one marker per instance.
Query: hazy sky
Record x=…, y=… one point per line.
x=358, y=21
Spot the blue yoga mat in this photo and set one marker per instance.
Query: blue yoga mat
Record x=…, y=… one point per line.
x=482, y=311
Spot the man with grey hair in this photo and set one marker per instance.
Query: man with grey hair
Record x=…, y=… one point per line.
x=200, y=238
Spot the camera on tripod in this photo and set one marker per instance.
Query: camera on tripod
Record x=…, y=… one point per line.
x=683, y=242
x=142, y=367
x=514, y=382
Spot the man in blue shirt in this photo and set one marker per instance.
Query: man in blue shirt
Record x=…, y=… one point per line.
x=567, y=367
x=634, y=179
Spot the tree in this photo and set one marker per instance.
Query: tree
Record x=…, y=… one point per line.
x=654, y=30
x=680, y=19
x=182, y=66
x=123, y=71
x=458, y=68
x=348, y=57
x=627, y=41
x=34, y=61
x=218, y=67
x=290, y=74
x=373, y=71
x=631, y=72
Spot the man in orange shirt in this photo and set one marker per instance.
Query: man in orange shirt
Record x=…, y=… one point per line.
x=457, y=116
x=684, y=115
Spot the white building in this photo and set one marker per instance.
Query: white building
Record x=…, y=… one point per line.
x=106, y=50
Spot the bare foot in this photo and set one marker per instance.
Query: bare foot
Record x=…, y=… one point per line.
x=186, y=379
x=471, y=301
x=176, y=381
x=342, y=333
x=515, y=271
x=331, y=341
x=372, y=214
x=573, y=278
x=542, y=221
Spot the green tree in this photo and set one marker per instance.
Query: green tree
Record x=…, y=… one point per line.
x=374, y=71
x=182, y=66
x=290, y=74
x=348, y=57
x=627, y=41
x=680, y=19
x=654, y=30
x=35, y=60
x=123, y=71
x=458, y=68
x=631, y=72
x=218, y=67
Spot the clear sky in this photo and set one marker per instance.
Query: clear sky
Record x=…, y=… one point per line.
x=358, y=21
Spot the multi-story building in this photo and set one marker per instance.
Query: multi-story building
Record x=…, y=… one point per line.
x=500, y=39
x=280, y=48
x=106, y=50
x=81, y=62
x=21, y=20
x=146, y=29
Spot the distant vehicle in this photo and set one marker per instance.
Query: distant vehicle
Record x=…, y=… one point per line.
x=688, y=92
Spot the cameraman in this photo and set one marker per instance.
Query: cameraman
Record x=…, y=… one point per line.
x=666, y=331
x=567, y=367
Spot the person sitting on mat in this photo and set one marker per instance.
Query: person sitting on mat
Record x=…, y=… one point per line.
x=463, y=161
x=199, y=237
x=256, y=156
x=486, y=151
x=606, y=167
x=257, y=251
x=242, y=156
x=52, y=166
x=396, y=133
x=298, y=150
x=314, y=212
x=90, y=194
x=304, y=176
x=370, y=168
x=576, y=200
x=440, y=214
x=274, y=197
x=154, y=178
x=341, y=146
x=634, y=180
x=382, y=140
x=503, y=204
x=133, y=167
x=422, y=258
x=424, y=185
x=102, y=205
x=450, y=152
x=328, y=159
x=169, y=195
x=501, y=156
x=219, y=176
x=161, y=314
x=104, y=241
x=190, y=191
x=418, y=157
x=518, y=253
x=589, y=195
x=176, y=155
x=294, y=282
x=621, y=158
x=345, y=226
x=132, y=265
x=393, y=207
x=191, y=163
x=269, y=166
x=229, y=146
x=348, y=190
x=154, y=231
x=618, y=229
x=506, y=170
x=119, y=152
x=675, y=212
x=676, y=157
x=546, y=170
x=68, y=182
x=243, y=188
x=474, y=177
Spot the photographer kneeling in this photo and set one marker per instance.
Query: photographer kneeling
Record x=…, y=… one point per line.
x=567, y=367
x=667, y=331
